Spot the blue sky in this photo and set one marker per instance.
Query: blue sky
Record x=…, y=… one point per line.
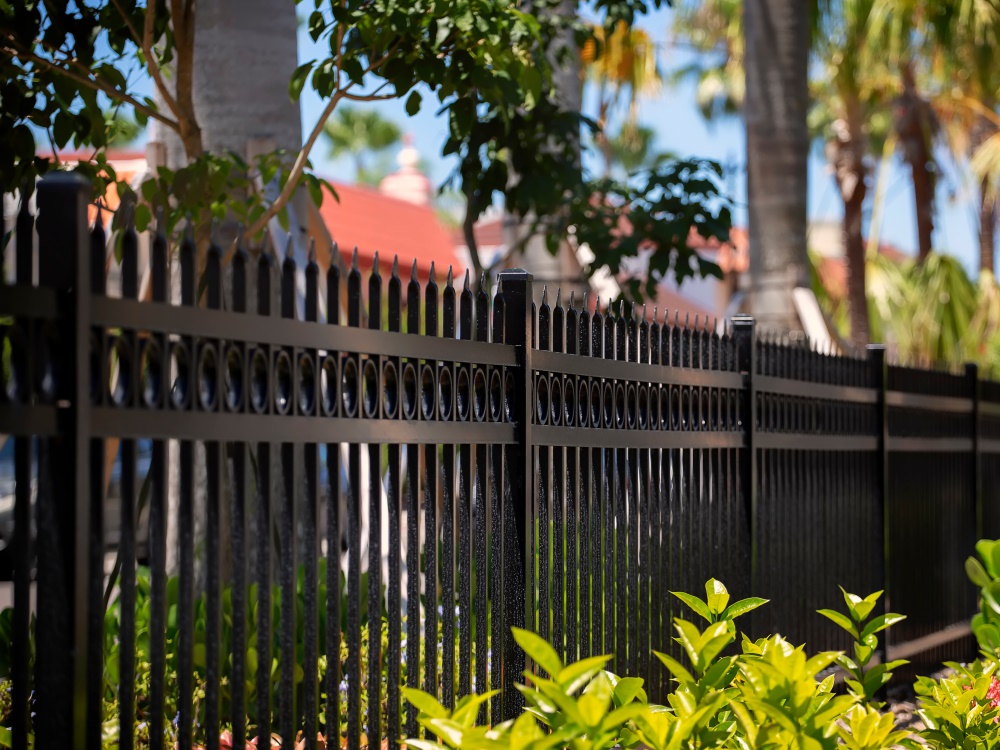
x=681, y=129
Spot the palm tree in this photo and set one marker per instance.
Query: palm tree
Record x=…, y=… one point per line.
x=619, y=64
x=633, y=148
x=358, y=133
x=848, y=91
x=777, y=38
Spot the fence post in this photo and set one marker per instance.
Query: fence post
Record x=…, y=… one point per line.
x=879, y=368
x=746, y=363
x=518, y=482
x=66, y=530
x=975, y=393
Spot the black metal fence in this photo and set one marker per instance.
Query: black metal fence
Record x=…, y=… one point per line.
x=313, y=513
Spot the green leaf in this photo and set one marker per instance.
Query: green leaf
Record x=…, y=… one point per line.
x=540, y=652
x=574, y=676
x=696, y=604
x=675, y=667
x=881, y=623
x=626, y=690
x=142, y=217
x=717, y=596
x=425, y=702
x=977, y=573
x=840, y=619
x=299, y=80
x=736, y=609
x=413, y=103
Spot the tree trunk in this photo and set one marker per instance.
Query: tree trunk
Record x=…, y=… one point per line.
x=987, y=227
x=923, y=197
x=854, y=249
x=777, y=102
x=915, y=124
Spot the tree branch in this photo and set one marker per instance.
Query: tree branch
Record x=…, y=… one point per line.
x=300, y=161
x=94, y=83
x=154, y=69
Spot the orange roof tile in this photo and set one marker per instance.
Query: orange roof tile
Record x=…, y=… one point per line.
x=370, y=221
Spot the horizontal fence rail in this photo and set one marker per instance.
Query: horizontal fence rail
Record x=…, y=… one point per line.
x=230, y=516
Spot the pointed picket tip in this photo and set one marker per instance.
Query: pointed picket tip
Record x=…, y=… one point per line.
x=465, y=284
x=558, y=296
x=289, y=249
x=449, y=279
x=413, y=271
x=312, y=251
x=430, y=276
x=572, y=299
x=375, y=264
x=482, y=281
x=545, y=294
x=654, y=313
x=597, y=305
x=354, y=259
x=395, y=266
x=621, y=309
x=644, y=313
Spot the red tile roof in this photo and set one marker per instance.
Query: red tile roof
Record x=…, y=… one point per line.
x=374, y=222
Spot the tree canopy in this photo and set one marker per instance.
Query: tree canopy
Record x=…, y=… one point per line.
x=482, y=61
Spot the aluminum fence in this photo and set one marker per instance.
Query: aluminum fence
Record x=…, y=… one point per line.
x=313, y=513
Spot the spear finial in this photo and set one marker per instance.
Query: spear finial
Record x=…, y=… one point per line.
x=465, y=285
x=354, y=259
x=413, y=271
x=312, y=249
x=395, y=266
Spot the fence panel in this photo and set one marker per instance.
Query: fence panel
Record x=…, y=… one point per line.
x=818, y=499
x=257, y=497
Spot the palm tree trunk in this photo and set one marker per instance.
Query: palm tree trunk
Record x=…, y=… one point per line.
x=923, y=197
x=854, y=247
x=777, y=102
x=987, y=227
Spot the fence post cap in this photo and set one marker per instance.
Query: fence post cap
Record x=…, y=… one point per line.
x=62, y=178
x=515, y=274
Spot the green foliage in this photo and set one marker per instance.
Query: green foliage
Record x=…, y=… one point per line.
x=658, y=216
x=866, y=681
x=960, y=711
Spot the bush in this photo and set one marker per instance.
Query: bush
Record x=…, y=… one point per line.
x=767, y=693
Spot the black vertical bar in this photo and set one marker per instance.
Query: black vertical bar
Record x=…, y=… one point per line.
x=264, y=520
x=497, y=490
x=975, y=393
x=66, y=585
x=481, y=563
x=309, y=404
x=126, y=544
x=557, y=501
x=353, y=666
x=24, y=447
x=746, y=363
x=879, y=366
x=394, y=605
x=158, y=522
x=572, y=497
x=185, y=606
x=515, y=287
x=413, y=521
x=621, y=528
x=332, y=498
x=430, y=512
x=446, y=408
x=374, y=730
x=542, y=523
x=214, y=493
x=465, y=494
x=237, y=452
x=287, y=524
